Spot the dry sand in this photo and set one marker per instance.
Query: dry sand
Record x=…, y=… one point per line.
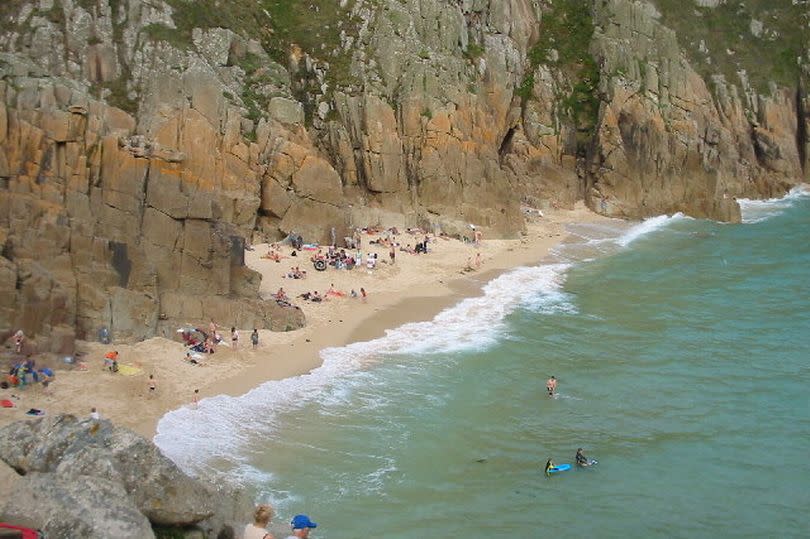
x=416, y=288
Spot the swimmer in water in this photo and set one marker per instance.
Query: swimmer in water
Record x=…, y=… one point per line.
x=551, y=386
x=581, y=459
x=549, y=466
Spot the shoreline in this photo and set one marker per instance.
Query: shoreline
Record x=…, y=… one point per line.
x=415, y=289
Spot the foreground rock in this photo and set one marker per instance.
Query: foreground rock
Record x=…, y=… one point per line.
x=82, y=478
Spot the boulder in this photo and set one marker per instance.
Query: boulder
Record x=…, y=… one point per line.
x=66, y=507
x=70, y=447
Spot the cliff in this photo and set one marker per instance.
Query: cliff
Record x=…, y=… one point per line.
x=143, y=142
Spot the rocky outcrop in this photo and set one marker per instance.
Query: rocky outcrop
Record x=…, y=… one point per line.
x=142, y=144
x=89, y=477
x=669, y=140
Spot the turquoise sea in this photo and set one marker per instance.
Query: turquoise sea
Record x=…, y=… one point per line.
x=682, y=349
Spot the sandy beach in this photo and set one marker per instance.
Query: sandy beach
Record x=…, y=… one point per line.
x=414, y=288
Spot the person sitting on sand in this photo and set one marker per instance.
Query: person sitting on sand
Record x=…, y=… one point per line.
x=469, y=266
x=261, y=518
x=111, y=361
x=281, y=295
x=353, y=293
x=316, y=297
x=272, y=255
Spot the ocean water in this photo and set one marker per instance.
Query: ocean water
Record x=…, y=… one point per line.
x=682, y=349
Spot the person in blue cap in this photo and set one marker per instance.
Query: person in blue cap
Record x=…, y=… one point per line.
x=301, y=524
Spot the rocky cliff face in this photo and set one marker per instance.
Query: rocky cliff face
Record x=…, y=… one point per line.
x=142, y=143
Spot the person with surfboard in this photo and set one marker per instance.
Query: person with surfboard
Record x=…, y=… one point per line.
x=549, y=466
x=582, y=460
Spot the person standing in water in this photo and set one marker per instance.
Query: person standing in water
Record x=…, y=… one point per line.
x=551, y=386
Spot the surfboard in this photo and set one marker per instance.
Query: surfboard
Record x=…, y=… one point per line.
x=559, y=468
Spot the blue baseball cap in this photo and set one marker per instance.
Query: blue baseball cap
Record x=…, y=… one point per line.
x=299, y=522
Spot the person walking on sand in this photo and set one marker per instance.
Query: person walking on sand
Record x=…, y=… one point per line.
x=152, y=385
x=19, y=339
x=254, y=338
x=261, y=518
x=363, y=294
x=393, y=255
x=195, y=399
x=551, y=386
x=234, y=338
x=301, y=524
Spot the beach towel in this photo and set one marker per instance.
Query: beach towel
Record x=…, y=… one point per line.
x=129, y=370
x=5, y=403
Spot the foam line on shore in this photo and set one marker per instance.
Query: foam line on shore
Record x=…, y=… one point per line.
x=755, y=211
x=221, y=425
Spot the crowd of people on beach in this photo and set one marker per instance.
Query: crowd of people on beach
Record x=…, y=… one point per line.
x=200, y=342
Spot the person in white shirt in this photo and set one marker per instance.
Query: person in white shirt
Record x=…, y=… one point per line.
x=261, y=518
x=94, y=415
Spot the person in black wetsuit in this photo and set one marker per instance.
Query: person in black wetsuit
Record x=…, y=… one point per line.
x=581, y=459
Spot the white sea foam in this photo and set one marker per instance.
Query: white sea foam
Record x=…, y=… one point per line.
x=755, y=211
x=224, y=426
x=648, y=225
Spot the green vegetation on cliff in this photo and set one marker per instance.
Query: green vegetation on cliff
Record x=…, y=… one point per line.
x=763, y=37
x=566, y=29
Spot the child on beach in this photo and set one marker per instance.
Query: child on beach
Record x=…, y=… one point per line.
x=234, y=338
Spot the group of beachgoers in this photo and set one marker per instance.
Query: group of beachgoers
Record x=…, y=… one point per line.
x=580, y=459
x=332, y=292
x=25, y=373
x=300, y=525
